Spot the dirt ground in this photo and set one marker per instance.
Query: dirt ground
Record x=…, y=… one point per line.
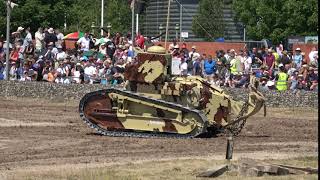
x=46, y=134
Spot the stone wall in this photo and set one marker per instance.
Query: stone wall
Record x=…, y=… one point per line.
x=77, y=91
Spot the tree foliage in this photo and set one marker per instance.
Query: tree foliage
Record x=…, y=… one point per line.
x=276, y=20
x=78, y=14
x=208, y=23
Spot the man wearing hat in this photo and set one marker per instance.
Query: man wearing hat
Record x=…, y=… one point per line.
x=50, y=38
x=285, y=60
x=61, y=54
x=282, y=79
x=312, y=79
x=193, y=56
x=175, y=52
x=17, y=34
x=297, y=58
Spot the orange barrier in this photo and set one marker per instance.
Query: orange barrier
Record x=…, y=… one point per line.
x=210, y=48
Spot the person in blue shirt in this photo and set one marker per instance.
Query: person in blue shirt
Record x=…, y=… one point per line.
x=297, y=58
x=209, y=68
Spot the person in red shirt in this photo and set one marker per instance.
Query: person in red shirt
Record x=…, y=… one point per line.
x=14, y=55
x=269, y=61
x=139, y=40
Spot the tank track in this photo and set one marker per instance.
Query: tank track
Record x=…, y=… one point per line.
x=138, y=134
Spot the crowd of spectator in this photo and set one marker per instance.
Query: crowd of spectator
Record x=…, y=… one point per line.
x=45, y=58
x=275, y=68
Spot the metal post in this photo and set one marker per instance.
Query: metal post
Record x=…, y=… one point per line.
x=160, y=28
x=180, y=21
x=167, y=26
x=137, y=23
x=102, y=14
x=244, y=33
x=229, y=147
x=132, y=22
x=8, y=38
x=176, y=34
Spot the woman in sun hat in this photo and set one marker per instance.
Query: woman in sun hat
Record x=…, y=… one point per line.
x=297, y=58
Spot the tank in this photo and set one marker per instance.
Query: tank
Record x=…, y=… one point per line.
x=157, y=102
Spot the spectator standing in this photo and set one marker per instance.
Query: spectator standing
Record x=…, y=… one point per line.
x=111, y=49
x=118, y=39
x=197, y=66
x=312, y=55
x=175, y=52
x=184, y=50
x=285, y=60
x=139, y=40
x=172, y=45
x=183, y=67
x=193, y=56
x=256, y=61
x=221, y=63
x=247, y=62
x=276, y=58
x=209, y=69
x=297, y=58
x=269, y=61
x=28, y=38
x=2, y=52
x=17, y=35
x=235, y=63
x=39, y=40
x=50, y=38
x=60, y=37
x=227, y=55
x=14, y=54
x=84, y=42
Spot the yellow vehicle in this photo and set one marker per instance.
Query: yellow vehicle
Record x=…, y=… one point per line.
x=156, y=103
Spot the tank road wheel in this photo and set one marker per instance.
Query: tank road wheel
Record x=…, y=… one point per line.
x=97, y=108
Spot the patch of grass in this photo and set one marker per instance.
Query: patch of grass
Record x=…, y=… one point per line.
x=170, y=170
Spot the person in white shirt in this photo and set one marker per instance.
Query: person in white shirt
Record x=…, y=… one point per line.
x=39, y=40
x=60, y=37
x=61, y=55
x=183, y=67
x=103, y=49
x=193, y=55
x=312, y=55
x=61, y=74
x=89, y=73
x=247, y=61
x=28, y=39
x=84, y=42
